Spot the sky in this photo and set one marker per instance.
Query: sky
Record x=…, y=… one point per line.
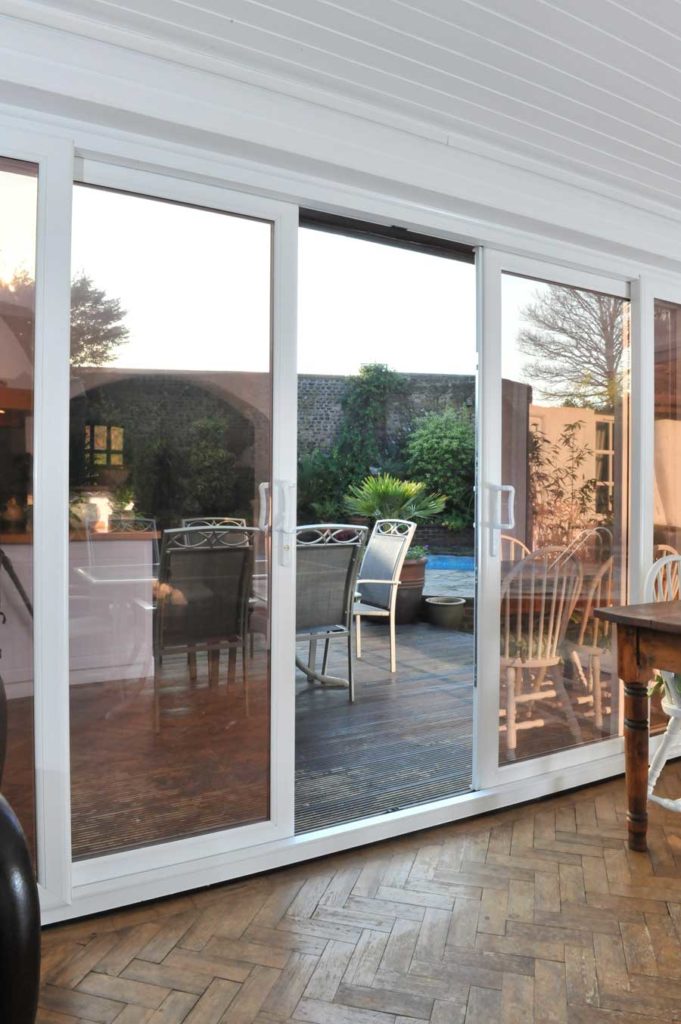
x=196, y=289
x=18, y=213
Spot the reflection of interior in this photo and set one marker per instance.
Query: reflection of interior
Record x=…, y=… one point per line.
x=16, y=562
x=562, y=557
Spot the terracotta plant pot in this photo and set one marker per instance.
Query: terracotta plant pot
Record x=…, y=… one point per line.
x=410, y=590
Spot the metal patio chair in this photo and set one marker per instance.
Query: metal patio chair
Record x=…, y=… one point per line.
x=202, y=600
x=328, y=557
x=214, y=521
x=379, y=577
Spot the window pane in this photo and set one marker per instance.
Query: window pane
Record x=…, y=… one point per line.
x=100, y=438
x=667, y=508
x=169, y=629
x=565, y=398
x=18, y=204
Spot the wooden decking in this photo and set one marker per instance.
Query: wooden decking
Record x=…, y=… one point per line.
x=407, y=738
x=535, y=915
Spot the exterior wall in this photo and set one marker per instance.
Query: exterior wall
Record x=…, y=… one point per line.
x=320, y=410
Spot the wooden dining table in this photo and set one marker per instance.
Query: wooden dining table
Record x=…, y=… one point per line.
x=648, y=638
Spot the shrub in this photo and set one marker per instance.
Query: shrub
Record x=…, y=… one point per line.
x=321, y=484
x=441, y=453
x=387, y=497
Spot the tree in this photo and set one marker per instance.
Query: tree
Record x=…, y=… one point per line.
x=97, y=327
x=575, y=340
x=560, y=495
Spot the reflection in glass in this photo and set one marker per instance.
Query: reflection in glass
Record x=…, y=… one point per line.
x=18, y=204
x=565, y=397
x=667, y=489
x=667, y=506
x=170, y=578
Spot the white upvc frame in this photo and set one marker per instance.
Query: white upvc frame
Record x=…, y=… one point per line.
x=50, y=144
x=645, y=291
x=54, y=159
x=109, y=873
x=491, y=266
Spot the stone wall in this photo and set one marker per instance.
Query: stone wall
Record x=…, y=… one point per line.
x=320, y=410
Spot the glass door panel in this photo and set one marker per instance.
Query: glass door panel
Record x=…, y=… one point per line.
x=667, y=488
x=562, y=513
x=18, y=213
x=386, y=431
x=170, y=472
x=667, y=459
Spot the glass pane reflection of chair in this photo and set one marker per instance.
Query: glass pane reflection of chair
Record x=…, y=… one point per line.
x=327, y=564
x=202, y=601
x=512, y=549
x=592, y=644
x=538, y=597
x=213, y=521
x=136, y=524
x=663, y=584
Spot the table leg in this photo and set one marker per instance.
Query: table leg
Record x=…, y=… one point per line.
x=636, y=762
x=635, y=738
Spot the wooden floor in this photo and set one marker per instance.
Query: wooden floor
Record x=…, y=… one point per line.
x=536, y=914
x=405, y=741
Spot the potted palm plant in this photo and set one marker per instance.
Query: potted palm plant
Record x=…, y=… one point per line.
x=388, y=497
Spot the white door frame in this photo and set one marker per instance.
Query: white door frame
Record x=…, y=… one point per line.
x=133, y=878
x=109, y=872
x=54, y=159
x=491, y=264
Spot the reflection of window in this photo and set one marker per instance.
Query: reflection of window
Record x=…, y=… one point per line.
x=604, y=454
x=104, y=445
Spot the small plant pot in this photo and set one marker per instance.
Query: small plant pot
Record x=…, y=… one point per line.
x=446, y=612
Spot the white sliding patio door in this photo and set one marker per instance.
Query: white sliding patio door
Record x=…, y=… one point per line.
x=553, y=513
x=181, y=571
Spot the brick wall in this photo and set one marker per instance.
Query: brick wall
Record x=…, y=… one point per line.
x=320, y=410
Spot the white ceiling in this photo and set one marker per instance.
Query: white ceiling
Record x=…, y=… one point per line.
x=592, y=86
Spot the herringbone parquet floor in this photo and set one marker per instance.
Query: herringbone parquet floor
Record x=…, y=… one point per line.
x=539, y=913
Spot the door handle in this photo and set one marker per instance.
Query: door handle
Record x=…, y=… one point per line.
x=287, y=521
x=497, y=524
x=263, y=505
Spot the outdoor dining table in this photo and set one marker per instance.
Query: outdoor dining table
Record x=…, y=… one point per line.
x=648, y=638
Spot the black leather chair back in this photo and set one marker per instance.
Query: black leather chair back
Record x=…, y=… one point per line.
x=19, y=924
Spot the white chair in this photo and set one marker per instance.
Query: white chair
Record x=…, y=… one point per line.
x=538, y=597
x=512, y=549
x=593, y=640
x=661, y=550
x=379, y=577
x=662, y=584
